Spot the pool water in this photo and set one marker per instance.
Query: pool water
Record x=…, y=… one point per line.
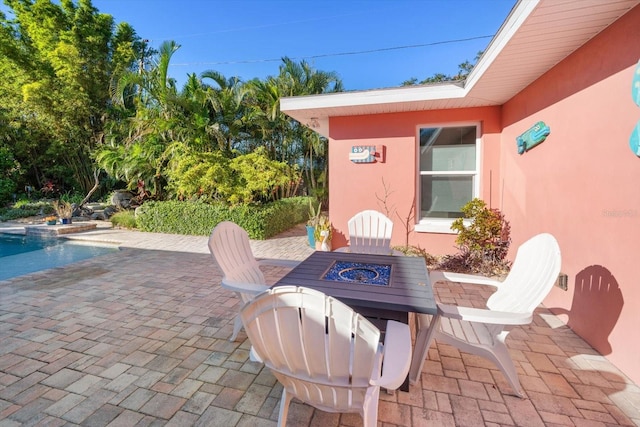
x=13, y=245
x=21, y=255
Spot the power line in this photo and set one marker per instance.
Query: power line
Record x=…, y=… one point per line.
x=327, y=55
x=262, y=26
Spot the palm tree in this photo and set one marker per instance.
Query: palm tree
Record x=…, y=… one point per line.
x=157, y=125
x=227, y=108
x=301, y=79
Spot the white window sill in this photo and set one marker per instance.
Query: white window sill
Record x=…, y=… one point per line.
x=435, y=225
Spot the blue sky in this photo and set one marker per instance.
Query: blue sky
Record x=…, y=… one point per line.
x=247, y=38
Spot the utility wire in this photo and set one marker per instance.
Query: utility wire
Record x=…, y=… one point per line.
x=327, y=55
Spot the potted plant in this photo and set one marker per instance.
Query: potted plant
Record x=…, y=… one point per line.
x=64, y=210
x=314, y=216
x=51, y=220
x=322, y=234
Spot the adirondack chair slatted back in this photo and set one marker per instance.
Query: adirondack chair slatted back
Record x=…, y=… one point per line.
x=370, y=232
x=534, y=271
x=482, y=332
x=229, y=244
x=321, y=351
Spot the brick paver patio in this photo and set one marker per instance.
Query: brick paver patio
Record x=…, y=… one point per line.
x=139, y=337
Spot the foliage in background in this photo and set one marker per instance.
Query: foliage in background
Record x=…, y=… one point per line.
x=169, y=138
x=463, y=71
x=79, y=94
x=260, y=179
x=57, y=60
x=246, y=179
x=483, y=243
x=204, y=176
x=197, y=218
x=9, y=174
x=24, y=209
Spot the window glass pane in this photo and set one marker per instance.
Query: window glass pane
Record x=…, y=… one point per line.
x=448, y=149
x=444, y=196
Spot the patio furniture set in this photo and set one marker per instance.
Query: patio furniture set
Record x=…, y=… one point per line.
x=335, y=329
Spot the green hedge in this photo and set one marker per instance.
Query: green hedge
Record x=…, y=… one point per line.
x=24, y=210
x=198, y=218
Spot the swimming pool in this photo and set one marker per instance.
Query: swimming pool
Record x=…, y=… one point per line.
x=21, y=254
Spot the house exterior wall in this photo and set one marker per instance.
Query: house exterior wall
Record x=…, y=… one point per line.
x=389, y=186
x=581, y=185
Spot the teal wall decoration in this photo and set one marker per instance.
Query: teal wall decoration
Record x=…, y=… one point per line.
x=634, y=140
x=635, y=85
x=532, y=137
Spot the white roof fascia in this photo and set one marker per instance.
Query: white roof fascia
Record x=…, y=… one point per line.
x=511, y=25
x=372, y=97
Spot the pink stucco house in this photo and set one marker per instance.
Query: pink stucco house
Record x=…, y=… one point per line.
x=569, y=64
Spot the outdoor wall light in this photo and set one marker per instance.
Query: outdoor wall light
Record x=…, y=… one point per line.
x=314, y=122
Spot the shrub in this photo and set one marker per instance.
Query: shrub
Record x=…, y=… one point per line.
x=198, y=218
x=72, y=198
x=125, y=219
x=247, y=178
x=201, y=175
x=22, y=202
x=483, y=243
x=25, y=209
x=64, y=209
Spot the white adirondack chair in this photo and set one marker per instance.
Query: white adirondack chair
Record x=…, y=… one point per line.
x=370, y=233
x=483, y=331
x=229, y=245
x=323, y=352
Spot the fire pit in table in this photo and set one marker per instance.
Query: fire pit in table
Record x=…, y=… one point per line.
x=358, y=272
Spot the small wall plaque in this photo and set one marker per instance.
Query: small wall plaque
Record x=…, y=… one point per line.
x=363, y=154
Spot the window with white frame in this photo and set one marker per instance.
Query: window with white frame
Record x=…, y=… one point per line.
x=449, y=163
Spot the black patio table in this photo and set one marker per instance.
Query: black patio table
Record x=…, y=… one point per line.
x=379, y=287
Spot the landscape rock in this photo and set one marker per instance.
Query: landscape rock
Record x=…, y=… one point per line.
x=121, y=199
x=109, y=211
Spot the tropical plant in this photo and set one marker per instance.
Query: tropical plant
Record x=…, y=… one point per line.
x=483, y=239
x=323, y=225
x=154, y=132
x=286, y=139
x=227, y=108
x=314, y=214
x=63, y=209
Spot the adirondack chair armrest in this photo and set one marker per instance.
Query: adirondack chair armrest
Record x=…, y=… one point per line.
x=439, y=276
x=246, y=288
x=482, y=315
x=291, y=263
x=397, y=356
